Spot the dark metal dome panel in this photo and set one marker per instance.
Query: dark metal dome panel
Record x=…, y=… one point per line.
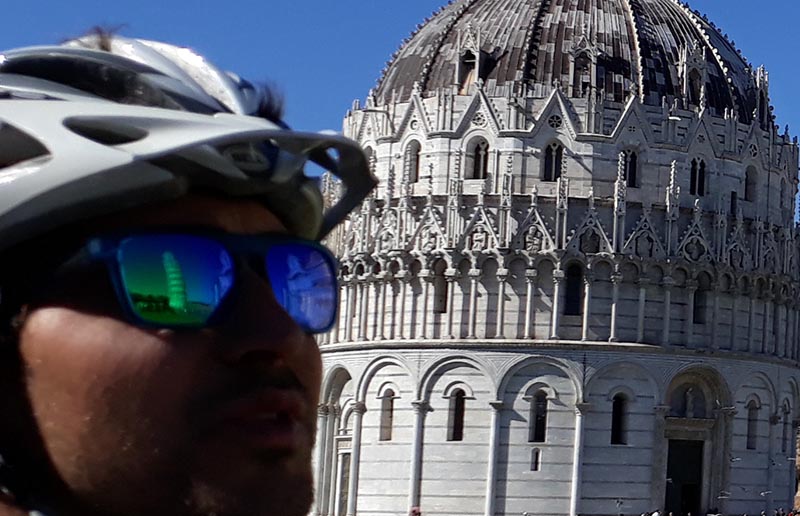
x=534, y=42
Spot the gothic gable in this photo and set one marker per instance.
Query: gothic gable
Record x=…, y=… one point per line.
x=633, y=125
x=532, y=235
x=590, y=237
x=481, y=233
x=415, y=119
x=479, y=114
x=695, y=247
x=555, y=117
x=644, y=242
x=430, y=234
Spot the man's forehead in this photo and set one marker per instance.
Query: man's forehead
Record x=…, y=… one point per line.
x=234, y=215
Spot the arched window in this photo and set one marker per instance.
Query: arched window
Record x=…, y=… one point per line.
x=455, y=426
x=734, y=203
x=573, y=293
x=631, y=169
x=537, y=430
x=785, y=433
x=700, y=306
x=619, y=421
x=697, y=185
x=751, y=184
x=439, y=288
x=477, y=159
x=387, y=415
x=467, y=68
x=752, y=424
x=536, y=459
x=553, y=157
x=695, y=87
x=370, y=154
x=763, y=109
x=784, y=194
x=582, y=79
x=413, y=151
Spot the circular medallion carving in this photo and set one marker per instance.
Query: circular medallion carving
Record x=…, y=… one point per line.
x=414, y=125
x=555, y=122
x=753, y=151
x=479, y=119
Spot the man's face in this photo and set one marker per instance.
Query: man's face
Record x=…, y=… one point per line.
x=136, y=421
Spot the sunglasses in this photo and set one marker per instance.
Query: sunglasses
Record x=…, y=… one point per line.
x=185, y=279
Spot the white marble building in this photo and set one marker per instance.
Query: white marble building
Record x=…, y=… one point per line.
x=575, y=291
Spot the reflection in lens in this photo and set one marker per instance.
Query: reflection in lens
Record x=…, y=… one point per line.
x=175, y=279
x=304, y=284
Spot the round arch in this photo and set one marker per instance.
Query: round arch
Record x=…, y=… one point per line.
x=512, y=369
x=656, y=389
x=373, y=368
x=430, y=372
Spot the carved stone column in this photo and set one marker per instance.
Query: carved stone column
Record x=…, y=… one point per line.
x=355, y=458
x=558, y=279
x=616, y=279
x=751, y=323
x=348, y=312
x=577, y=459
x=380, y=323
x=393, y=330
x=766, y=328
x=715, y=318
x=668, y=283
x=588, y=280
x=774, y=419
x=329, y=482
x=451, y=276
x=474, y=277
x=494, y=447
x=691, y=289
x=658, y=485
x=734, y=316
x=421, y=408
x=322, y=446
x=643, y=284
x=404, y=278
x=725, y=434
x=502, y=278
x=787, y=346
x=425, y=276
x=530, y=280
x=363, y=305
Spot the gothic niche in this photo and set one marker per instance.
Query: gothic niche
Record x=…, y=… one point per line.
x=688, y=401
x=645, y=246
x=590, y=242
x=480, y=240
x=534, y=240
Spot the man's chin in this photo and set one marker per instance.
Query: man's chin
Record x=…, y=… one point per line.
x=276, y=493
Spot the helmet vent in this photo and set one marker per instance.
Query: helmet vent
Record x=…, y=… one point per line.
x=105, y=132
x=17, y=146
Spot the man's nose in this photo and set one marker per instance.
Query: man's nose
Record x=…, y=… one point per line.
x=256, y=326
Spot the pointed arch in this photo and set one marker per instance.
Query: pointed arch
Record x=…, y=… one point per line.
x=477, y=162
x=413, y=155
x=553, y=160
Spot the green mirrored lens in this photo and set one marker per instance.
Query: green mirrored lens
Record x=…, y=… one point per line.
x=175, y=280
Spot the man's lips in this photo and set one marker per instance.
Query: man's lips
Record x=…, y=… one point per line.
x=269, y=419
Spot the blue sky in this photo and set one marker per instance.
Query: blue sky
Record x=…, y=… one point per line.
x=325, y=53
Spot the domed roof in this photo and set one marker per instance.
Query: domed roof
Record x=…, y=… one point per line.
x=530, y=45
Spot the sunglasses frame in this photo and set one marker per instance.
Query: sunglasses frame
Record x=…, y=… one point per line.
x=105, y=248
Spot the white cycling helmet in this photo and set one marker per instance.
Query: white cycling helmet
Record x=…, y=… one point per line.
x=101, y=124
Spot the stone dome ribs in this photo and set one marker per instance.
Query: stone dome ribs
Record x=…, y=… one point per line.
x=637, y=46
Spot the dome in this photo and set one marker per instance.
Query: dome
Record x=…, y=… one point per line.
x=614, y=46
x=575, y=289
